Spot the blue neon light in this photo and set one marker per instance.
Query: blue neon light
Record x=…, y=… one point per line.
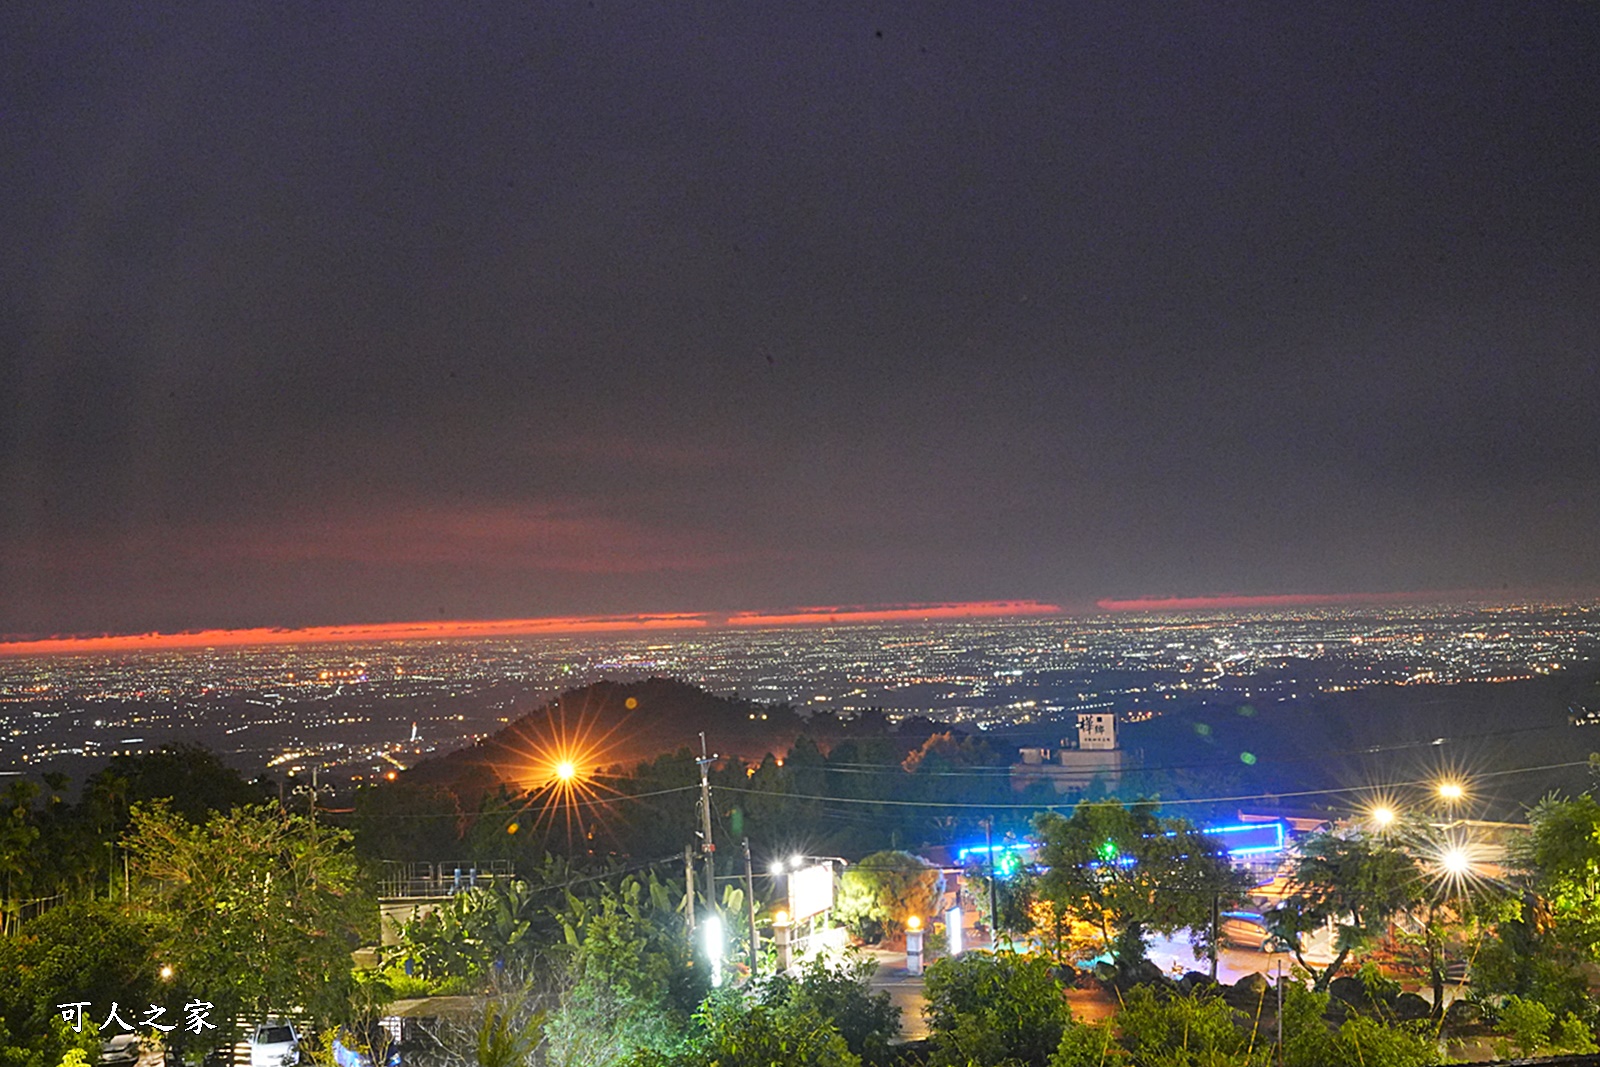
x=1249, y=839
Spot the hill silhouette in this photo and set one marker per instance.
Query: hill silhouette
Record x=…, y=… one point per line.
x=617, y=725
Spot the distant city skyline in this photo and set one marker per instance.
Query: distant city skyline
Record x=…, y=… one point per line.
x=667, y=623
x=352, y=704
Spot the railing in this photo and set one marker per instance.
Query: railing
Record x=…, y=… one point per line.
x=441, y=879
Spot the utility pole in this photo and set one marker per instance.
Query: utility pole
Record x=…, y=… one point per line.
x=1279, y=968
x=994, y=913
x=708, y=846
x=750, y=903
x=1216, y=921
x=688, y=887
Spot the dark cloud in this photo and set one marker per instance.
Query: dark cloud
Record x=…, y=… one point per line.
x=788, y=304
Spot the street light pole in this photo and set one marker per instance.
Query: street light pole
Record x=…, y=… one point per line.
x=750, y=903
x=708, y=846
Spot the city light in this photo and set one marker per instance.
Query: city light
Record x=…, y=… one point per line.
x=914, y=923
x=715, y=946
x=166, y=972
x=1455, y=862
x=1382, y=816
x=1450, y=790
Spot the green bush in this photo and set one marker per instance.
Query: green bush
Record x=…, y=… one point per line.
x=1186, y=1031
x=741, y=1033
x=1361, y=1039
x=840, y=992
x=1529, y=1027
x=985, y=1009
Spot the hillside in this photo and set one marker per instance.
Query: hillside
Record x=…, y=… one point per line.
x=618, y=725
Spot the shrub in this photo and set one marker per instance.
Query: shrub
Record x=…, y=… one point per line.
x=985, y=1009
x=840, y=992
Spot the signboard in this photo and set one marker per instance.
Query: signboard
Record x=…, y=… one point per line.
x=1097, y=731
x=810, y=891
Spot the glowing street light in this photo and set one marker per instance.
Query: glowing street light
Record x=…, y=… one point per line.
x=1455, y=861
x=716, y=946
x=166, y=972
x=1383, y=816
x=566, y=771
x=914, y=944
x=1451, y=791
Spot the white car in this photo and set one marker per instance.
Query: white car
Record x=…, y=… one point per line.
x=274, y=1044
x=120, y=1050
x=1248, y=930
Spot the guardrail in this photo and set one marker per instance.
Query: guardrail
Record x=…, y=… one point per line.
x=440, y=879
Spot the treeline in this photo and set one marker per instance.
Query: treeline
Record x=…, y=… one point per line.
x=861, y=795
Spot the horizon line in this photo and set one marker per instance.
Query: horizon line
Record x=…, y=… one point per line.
x=837, y=615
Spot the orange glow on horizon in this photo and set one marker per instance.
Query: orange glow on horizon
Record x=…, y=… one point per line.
x=357, y=633
x=1229, y=602
x=982, y=609
x=470, y=628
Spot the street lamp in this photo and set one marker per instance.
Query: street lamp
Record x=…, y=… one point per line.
x=1383, y=816
x=914, y=945
x=1451, y=791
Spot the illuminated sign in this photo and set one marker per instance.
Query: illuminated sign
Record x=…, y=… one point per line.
x=1249, y=839
x=810, y=891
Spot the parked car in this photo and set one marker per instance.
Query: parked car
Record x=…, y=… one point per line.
x=121, y=1050
x=1247, y=929
x=274, y=1043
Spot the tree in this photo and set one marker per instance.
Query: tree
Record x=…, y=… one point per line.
x=258, y=910
x=1561, y=854
x=191, y=778
x=18, y=835
x=1356, y=881
x=82, y=951
x=1128, y=872
x=1550, y=930
x=1012, y=886
x=632, y=977
x=887, y=888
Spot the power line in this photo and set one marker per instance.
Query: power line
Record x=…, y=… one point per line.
x=881, y=769
x=487, y=814
x=1278, y=795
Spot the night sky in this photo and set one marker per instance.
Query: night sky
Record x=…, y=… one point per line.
x=325, y=313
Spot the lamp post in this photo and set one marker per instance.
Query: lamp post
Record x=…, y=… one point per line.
x=914, y=945
x=780, y=937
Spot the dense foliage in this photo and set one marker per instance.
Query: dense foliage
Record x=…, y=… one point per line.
x=994, y=1009
x=1128, y=871
x=588, y=959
